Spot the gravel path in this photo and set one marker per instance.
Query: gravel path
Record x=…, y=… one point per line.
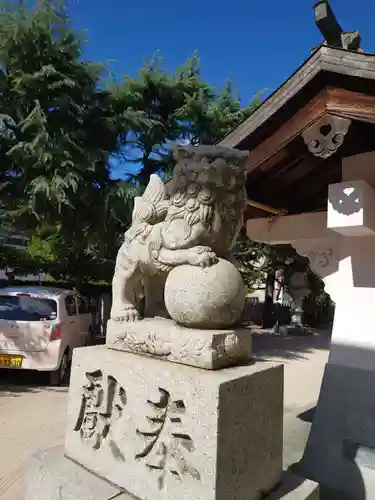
x=32, y=415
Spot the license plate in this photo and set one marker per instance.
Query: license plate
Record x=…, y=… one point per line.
x=10, y=361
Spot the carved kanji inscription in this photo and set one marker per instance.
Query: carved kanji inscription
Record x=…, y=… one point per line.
x=103, y=401
x=166, y=442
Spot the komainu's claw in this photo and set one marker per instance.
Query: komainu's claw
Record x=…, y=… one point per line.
x=128, y=315
x=202, y=256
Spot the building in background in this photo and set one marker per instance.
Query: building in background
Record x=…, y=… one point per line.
x=18, y=241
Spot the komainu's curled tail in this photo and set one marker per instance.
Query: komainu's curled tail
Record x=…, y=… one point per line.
x=152, y=206
x=140, y=241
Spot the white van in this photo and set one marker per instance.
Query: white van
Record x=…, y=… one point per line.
x=40, y=327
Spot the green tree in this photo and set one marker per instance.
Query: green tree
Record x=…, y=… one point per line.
x=61, y=124
x=57, y=130
x=258, y=262
x=180, y=106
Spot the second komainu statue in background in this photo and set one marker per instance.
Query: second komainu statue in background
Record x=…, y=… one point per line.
x=195, y=223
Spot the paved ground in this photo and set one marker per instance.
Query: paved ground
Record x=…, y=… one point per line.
x=32, y=415
x=304, y=359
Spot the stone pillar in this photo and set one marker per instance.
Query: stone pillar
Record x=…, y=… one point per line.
x=340, y=451
x=340, y=246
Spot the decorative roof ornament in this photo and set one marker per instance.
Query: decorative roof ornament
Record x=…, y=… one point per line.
x=333, y=34
x=324, y=137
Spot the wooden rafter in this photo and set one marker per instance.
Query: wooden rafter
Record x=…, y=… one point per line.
x=266, y=208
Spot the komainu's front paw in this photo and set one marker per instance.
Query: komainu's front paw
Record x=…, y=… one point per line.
x=202, y=256
x=127, y=314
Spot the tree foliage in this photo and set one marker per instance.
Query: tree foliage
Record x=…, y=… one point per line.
x=180, y=106
x=63, y=125
x=58, y=129
x=257, y=261
x=56, y=133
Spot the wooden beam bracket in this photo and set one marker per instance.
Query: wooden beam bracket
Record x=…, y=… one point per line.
x=324, y=137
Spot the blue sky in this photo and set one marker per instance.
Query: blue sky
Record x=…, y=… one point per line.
x=258, y=43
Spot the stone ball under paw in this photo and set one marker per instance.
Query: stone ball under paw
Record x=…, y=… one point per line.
x=210, y=297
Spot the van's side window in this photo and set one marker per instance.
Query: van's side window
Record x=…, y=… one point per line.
x=70, y=304
x=82, y=307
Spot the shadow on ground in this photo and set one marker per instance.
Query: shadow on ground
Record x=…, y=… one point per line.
x=18, y=382
x=308, y=415
x=328, y=493
x=267, y=346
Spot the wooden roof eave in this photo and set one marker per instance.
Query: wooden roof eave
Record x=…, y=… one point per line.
x=324, y=59
x=333, y=101
x=352, y=105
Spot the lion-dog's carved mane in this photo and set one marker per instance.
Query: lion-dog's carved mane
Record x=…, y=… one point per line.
x=194, y=219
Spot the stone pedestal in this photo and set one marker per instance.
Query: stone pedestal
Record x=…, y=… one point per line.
x=161, y=430
x=164, y=339
x=52, y=476
x=143, y=428
x=297, y=312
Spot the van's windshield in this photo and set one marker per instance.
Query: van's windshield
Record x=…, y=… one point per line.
x=27, y=308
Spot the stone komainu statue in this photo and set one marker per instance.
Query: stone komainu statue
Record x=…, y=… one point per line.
x=194, y=223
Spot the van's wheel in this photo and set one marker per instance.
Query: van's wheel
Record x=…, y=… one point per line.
x=57, y=377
